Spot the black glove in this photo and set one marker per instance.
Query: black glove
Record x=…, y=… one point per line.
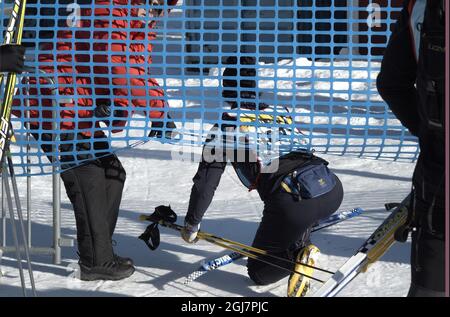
x=102, y=108
x=12, y=58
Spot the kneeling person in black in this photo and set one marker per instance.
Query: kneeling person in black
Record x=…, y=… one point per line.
x=288, y=214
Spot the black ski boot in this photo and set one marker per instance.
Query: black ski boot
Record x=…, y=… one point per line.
x=112, y=270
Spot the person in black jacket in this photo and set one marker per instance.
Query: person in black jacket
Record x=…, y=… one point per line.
x=12, y=58
x=288, y=215
x=411, y=81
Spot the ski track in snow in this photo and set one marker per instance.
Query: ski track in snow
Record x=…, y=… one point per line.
x=234, y=213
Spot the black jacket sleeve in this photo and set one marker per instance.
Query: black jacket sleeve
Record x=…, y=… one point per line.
x=396, y=80
x=12, y=58
x=206, y=181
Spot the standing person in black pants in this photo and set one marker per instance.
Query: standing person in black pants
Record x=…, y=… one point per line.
x=94, y=188
x=411, y=81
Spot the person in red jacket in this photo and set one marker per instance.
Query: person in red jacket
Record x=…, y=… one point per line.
x=114, y=36
x=121, y=72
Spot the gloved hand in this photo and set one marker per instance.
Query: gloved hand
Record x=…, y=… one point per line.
x=12, y=58
x=102, y=108
x=189, y=232
x=103, y=111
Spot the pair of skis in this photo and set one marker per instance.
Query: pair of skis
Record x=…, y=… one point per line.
x=234, y=256
x=370, y=251
x=8, y=87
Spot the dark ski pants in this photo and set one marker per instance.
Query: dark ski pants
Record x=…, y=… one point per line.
x=428, y=253
x=95, y=190
x=285, y=228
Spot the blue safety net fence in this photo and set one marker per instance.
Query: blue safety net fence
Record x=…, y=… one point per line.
x=112, y=74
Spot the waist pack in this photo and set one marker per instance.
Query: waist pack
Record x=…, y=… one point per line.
x=308, y=182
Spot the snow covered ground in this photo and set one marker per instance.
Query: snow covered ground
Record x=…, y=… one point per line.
x=154, y=179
